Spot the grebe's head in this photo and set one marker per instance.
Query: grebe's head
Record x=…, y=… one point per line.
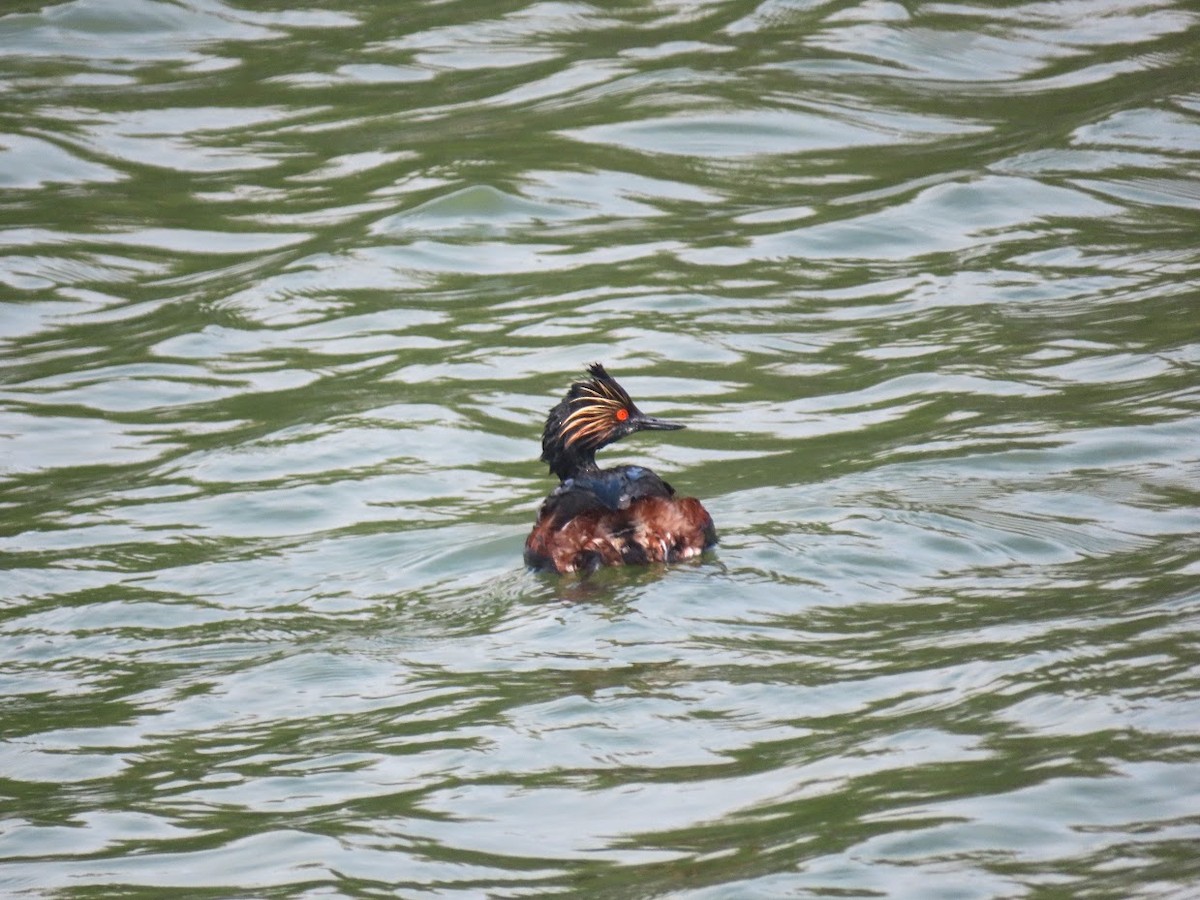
x=594, y=413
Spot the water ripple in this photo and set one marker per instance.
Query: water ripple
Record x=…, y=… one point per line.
x=288, y=293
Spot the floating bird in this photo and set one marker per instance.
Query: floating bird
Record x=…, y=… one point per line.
x=608, y=517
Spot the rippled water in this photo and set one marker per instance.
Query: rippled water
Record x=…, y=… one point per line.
x=286, y=292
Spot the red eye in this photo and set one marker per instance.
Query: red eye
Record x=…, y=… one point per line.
x=622, y=415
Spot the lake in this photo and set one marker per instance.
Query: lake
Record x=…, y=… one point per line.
x=286, y=293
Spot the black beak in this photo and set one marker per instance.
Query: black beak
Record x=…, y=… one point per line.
x=649, y=423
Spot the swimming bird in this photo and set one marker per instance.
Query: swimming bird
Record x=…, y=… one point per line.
x=608, y=517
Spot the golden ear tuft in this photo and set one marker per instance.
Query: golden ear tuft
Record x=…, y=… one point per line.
x=596, y=407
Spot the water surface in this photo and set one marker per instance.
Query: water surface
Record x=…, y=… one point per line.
x=286, y=292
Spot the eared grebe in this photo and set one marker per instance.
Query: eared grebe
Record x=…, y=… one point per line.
x=608, y=517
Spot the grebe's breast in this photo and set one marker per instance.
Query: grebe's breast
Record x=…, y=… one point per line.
x=623, y=515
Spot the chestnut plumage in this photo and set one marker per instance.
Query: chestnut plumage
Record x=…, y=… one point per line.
x=608, y=517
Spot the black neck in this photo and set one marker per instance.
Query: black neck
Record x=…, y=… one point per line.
x=568, y=464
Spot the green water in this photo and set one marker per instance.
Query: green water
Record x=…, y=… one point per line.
x=286, y=292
